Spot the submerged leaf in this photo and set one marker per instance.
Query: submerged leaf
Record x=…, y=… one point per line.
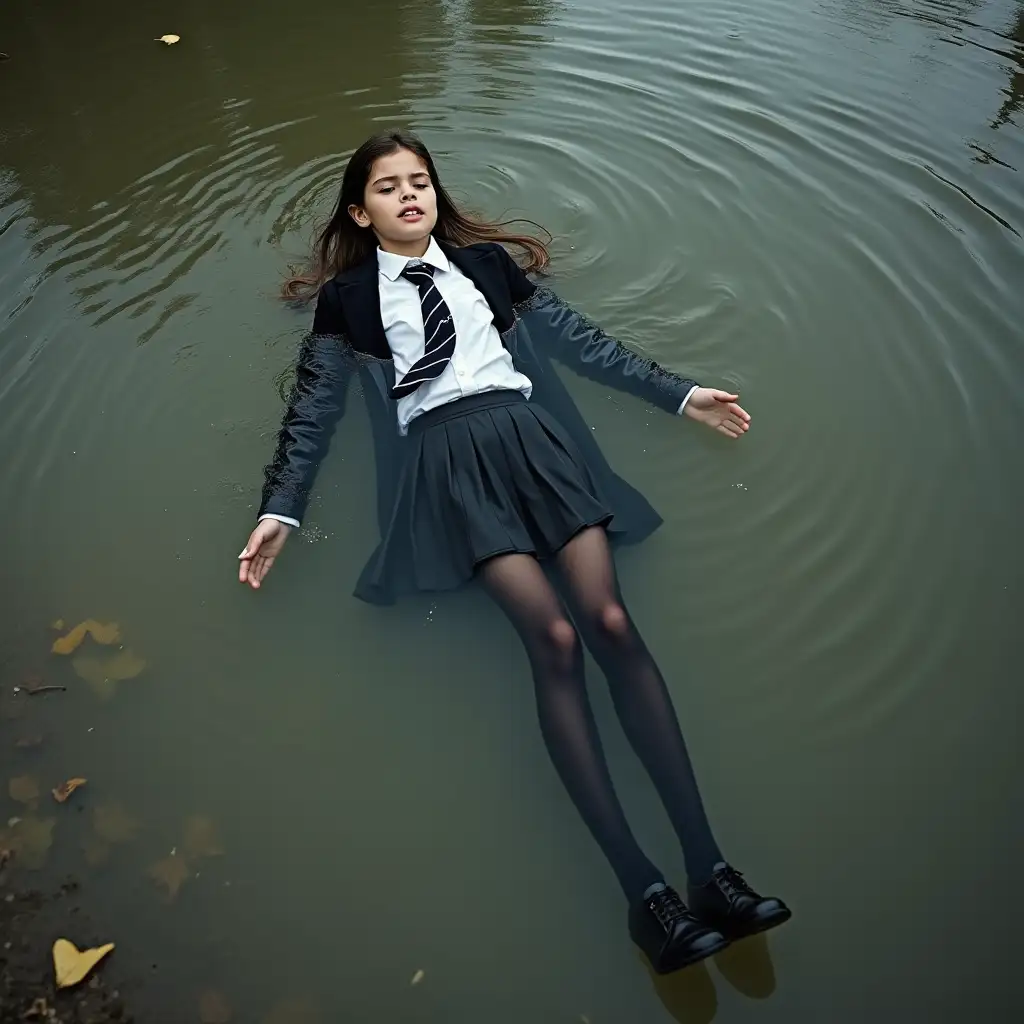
x=24, y=789
x=65, y=789
x=73, y=965
x=58, y=625
x=214, y=1008
x=29, y=839
x=96, y=851
x=418, y=977
x=102, y=633
x=27, y=742
x=113, y=823
x=94, y=672
x=103, y=674
x=171, y=873
x=201, y=839
x=293, y=1011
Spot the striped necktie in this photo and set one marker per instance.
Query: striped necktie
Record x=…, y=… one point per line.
x=438, y=332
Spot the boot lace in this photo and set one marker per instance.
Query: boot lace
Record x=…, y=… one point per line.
x=732, y=884
x=667, y=907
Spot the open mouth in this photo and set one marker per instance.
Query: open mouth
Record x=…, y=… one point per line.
x=411, y=213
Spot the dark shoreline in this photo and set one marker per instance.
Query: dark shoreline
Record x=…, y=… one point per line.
x=30, y=921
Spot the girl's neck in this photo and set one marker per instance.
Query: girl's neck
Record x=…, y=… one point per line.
x=411, y=250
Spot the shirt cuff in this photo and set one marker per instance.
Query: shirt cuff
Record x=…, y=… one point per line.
x=679, y=411
x=294, y=522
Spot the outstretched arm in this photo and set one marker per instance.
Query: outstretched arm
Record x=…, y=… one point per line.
x=587, y=349
x=316, y=403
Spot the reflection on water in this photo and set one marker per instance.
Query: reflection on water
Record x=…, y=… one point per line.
x=816, y=203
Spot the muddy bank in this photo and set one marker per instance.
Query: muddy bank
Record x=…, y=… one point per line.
x=30, y=921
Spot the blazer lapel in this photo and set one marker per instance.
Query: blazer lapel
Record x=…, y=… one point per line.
x=359, y=295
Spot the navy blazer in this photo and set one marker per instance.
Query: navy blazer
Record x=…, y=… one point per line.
x=348, y=340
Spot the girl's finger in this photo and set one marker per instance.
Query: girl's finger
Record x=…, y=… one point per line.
x=243, y=570
x=265, y=567
x=724, y=396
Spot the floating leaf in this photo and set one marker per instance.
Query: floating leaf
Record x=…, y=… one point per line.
x=96, y=851
x=201, y=838
x=102, y=633
x=24, y=789
x=113, y=824
x=171, y=873
x=65, y=789
x=169, y=39
x=417, y=977
x=214, y=1008
x=293, y=1011
x=73, y=965
x=30, y=840
x=27, y=742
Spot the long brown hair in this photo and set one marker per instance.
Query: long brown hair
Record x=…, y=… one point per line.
x=342, y=244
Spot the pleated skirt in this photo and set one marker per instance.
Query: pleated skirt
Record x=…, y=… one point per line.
x=486, y=475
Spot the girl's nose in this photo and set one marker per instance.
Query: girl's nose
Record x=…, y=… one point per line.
x=408, y=197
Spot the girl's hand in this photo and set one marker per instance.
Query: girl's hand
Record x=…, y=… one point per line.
x=718, y=410
x=262, y=547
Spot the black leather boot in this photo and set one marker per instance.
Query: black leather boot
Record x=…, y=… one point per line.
x=727, y=903
x=669, y=935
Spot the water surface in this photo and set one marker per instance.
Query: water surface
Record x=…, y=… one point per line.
x=816, y=202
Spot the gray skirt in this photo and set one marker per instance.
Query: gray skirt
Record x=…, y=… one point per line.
x=486, y=475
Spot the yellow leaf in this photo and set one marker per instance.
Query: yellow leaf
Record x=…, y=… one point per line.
x=102, y=633
x=73, y=965
x=201, y=838
x=293, y=1011
x=171, y=873
x=214, y=1008
x=24, y=789
x=65, y=789
x=113, y=824
x=170, y=40
x=417, y=977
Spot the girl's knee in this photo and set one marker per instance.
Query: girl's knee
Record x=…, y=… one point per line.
x=613, y=621
x=556, y=647
x=562, y=638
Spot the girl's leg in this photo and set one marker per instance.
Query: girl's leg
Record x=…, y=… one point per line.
x=519, y=586
x=638, y=690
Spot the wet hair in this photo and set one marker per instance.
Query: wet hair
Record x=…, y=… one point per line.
x=342, y=244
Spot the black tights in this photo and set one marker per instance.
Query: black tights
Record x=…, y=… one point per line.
x=642, y=702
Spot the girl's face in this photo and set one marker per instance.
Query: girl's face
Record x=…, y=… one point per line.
x=399, y=203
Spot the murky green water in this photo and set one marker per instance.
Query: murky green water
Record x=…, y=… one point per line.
x=818, y=203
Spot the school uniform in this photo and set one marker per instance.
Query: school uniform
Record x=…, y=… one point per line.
x=488, y=457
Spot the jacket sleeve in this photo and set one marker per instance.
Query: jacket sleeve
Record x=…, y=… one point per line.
x=316, y=403
x=572, y=339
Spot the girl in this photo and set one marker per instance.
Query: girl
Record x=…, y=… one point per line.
x=487, y=471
